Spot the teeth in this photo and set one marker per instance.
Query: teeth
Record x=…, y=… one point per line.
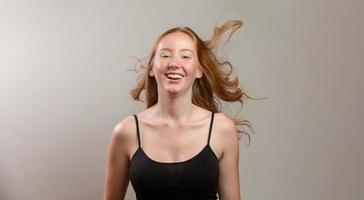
x=174, y=76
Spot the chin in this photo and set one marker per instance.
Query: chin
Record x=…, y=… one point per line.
x=173, y=90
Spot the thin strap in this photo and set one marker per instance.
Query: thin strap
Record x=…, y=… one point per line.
x=211, y=122
x=137, y=127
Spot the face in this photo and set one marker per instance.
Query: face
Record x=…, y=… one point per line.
x=175, y=65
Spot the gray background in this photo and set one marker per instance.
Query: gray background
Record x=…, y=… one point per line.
x=64, y=84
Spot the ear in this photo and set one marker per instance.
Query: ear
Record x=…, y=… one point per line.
x=199, y=73
x=151, y=73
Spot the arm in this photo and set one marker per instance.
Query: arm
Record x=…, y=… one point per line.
x=117, y=166
x=229, y=186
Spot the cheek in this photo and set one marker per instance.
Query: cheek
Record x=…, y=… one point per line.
x=159, y=70
x=193, y=69
x=159, y=65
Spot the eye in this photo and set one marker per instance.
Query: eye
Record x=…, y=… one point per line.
x=165, y=56
x=186, y=57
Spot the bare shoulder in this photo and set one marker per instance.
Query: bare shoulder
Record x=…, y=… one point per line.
x=225, y=130
x=124, y=128
x=123, y=133
x=224, y=124
x=229, y=161
x=116, y=177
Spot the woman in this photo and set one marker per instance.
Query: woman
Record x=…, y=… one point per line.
x=180, y=147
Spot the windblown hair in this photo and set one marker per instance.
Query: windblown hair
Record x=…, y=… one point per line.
x=216, y=83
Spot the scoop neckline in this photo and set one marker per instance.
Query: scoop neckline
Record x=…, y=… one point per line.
x=178, y=162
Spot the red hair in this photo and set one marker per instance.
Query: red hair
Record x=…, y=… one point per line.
x=216, y=83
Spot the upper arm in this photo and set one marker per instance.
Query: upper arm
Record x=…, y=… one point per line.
x=229, y=186
x=117, y=165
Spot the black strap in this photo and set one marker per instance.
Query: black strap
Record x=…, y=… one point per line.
x=137, y=127
x=211, y=122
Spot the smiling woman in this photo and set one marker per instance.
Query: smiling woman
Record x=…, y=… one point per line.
x=174, y=51
x=182, y=146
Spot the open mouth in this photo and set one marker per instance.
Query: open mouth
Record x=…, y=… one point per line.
x=173, y=76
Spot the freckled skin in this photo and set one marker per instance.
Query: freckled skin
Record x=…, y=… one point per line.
x=176, y=52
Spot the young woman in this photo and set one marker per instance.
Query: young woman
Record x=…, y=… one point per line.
x=181, y=146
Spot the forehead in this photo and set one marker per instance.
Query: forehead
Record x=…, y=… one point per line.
x=176, y=41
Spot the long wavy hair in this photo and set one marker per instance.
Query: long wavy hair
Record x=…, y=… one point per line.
x=216, y=83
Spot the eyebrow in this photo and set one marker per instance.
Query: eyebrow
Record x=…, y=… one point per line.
x=168, y=49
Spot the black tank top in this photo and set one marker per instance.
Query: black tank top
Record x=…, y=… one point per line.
x=195, y=178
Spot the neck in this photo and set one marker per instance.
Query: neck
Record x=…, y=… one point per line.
x=174, y=109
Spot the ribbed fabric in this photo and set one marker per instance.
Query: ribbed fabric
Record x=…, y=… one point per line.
x=193, y=179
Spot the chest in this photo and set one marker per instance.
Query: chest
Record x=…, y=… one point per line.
x=197, y=176
x=173, y=144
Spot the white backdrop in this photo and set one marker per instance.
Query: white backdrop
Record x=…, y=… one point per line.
x=64, y=85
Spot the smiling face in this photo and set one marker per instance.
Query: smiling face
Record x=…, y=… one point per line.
x=175, y=65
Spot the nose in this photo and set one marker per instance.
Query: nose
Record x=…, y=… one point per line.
x=173, y=62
